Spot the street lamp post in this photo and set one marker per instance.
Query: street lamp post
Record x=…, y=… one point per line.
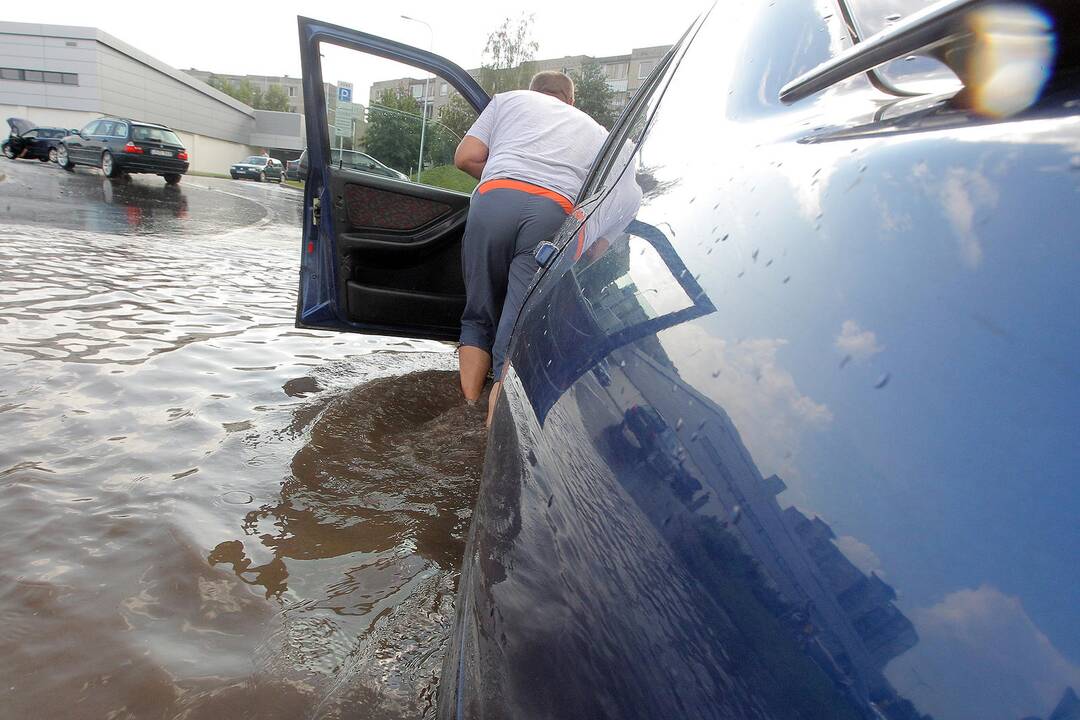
x=424, y=100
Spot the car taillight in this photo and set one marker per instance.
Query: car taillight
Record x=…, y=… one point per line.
x=182, y=155
x=133, y=148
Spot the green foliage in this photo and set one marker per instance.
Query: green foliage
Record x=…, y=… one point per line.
x=457, y=116
x=393, y=129
x=506, y=59
x=247, y=93
x=449, y=177
x=275, y=99
x=592, y=95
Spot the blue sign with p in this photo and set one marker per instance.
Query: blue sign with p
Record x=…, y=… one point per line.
x=344, y=94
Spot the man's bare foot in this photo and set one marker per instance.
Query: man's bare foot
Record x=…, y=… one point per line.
x=493, y=397
x=474, y=365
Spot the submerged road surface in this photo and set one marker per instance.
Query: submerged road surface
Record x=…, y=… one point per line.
x=205, y=512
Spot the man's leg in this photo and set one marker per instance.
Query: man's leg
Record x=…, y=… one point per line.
x=540, y=221
x=486, y=252
x=474, y=364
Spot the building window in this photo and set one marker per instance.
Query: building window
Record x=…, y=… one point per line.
x=41, y=76
x=443, y=89
x=292, y=91
x=418, y=91
x=644, y=68
x=616, y=71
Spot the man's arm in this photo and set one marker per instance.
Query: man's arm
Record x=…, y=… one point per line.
x=471, y=156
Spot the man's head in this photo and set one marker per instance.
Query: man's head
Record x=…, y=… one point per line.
x=555, y=84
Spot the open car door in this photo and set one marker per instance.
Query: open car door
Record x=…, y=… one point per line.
x=382, y=254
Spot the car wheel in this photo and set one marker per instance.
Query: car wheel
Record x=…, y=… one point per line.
x=233, y=176
x=52, y=154
x=171, y=178
x=63, y=160
x=43, y=159
x=262, y=177
x=8, y=152
x=108, y=165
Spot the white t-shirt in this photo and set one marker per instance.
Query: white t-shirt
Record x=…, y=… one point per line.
x=539, y=139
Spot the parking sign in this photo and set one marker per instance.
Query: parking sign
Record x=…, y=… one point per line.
x=344, y=94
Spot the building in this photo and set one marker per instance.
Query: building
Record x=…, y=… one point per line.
x=292, y=87
x=624, y=74
x=67, y=76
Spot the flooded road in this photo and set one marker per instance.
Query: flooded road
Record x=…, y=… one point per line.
x=205, y=512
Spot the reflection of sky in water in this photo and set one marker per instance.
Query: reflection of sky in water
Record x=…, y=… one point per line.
x=900, y=381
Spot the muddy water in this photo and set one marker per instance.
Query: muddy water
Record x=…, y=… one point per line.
x=204, y=512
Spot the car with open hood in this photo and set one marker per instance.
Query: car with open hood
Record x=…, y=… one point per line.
x=120, y=146
x=30, y=142
x=789, y=421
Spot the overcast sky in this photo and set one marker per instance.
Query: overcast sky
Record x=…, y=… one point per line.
x=231, y=38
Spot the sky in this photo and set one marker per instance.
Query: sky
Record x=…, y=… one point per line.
x=225, y=37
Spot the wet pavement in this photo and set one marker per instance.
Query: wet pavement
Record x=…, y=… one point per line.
x=205, y=512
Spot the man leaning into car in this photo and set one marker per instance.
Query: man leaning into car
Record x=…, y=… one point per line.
x=530, y=149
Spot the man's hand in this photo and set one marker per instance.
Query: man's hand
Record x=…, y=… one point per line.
x=471, y=156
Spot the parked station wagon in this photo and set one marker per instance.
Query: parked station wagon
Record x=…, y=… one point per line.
x=789, y=427
x=119, y=146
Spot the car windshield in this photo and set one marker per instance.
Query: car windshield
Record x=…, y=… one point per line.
x=255, y=160
x=156, y=134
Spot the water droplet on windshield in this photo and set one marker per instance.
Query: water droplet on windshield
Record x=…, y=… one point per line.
x=893, y=17
x=678, y=424
x=753, y=255
x=845, y=361
x=787, y=279
x=882, y=381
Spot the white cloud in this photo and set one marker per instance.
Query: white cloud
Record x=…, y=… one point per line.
x=750, y=383
x=981, y=657
x=860, y=555
x=857, y=343
x=965, y=192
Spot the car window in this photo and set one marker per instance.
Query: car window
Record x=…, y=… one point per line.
x=912, y=73
x=403, y=125
x=119, y=130
x=105, y=128
x=627, y=134
x=30, y=134
x=154, y=134
x=90, y=128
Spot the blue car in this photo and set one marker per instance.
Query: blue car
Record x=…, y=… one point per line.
x=790, y=422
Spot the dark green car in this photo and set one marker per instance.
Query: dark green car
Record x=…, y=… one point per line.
x=258, y=167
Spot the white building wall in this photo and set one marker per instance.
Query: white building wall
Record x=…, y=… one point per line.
x=213, y=155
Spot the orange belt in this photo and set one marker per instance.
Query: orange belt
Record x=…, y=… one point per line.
x=506, y=184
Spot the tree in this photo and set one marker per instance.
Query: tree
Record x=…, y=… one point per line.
x=275, y=99
x=507, y=57
x=393, y=129
x=446, y=131
x=592, y=94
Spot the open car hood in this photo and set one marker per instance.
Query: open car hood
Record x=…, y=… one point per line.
x=19, y=125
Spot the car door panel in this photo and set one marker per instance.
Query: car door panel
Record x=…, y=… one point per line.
x=381, y=255
x=834, y=475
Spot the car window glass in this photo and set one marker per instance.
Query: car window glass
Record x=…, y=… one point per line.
x=91, y=128
x=30, y=134
x=627, y=134
x=395, y=115
x=105, y=128
x=119, y=130
x=914, y=73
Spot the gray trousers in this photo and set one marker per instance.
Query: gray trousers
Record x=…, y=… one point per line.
x=503, y=228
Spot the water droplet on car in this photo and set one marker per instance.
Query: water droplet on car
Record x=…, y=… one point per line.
x=882, y=381
x=622, y=363
x=741, y=273
x=909, y=58
x=678, y=424
x=845, y=361
x=768, y=263
x=235, y=497
x=753, y=255
x=709, y=251
x=551, y=499
x=716, y=373
x=786, y=280
x=893, y=17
